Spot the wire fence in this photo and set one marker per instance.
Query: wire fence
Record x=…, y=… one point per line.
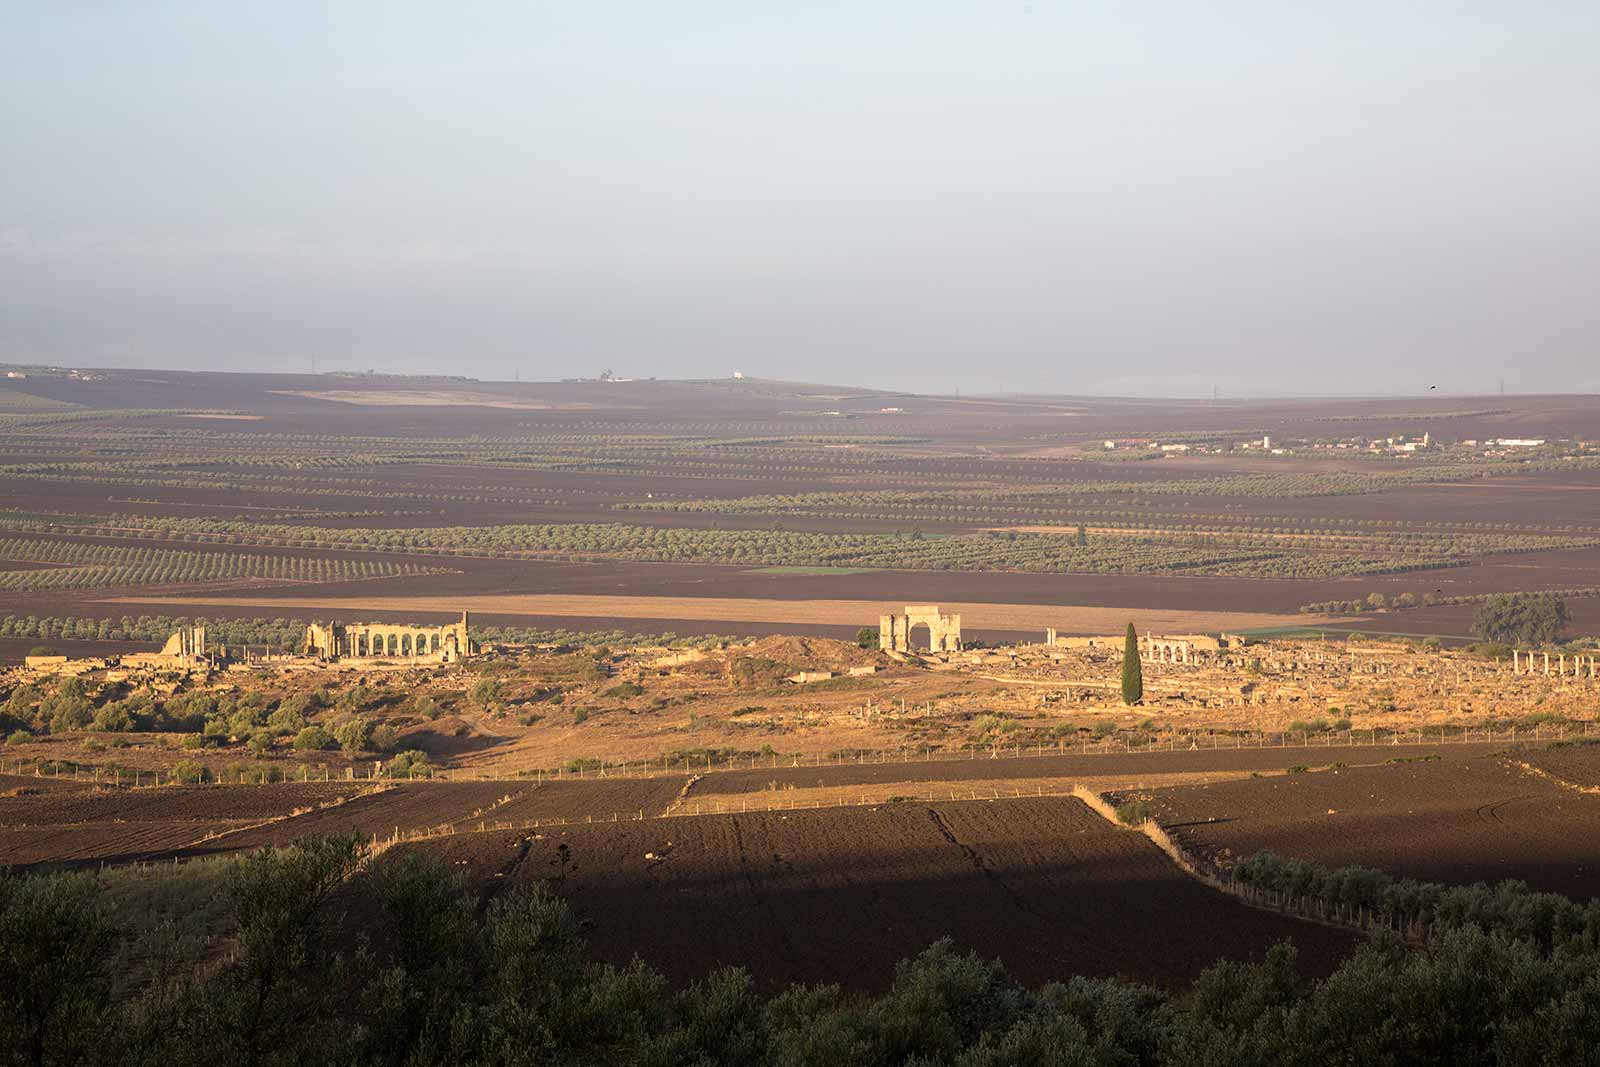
x=675, y=766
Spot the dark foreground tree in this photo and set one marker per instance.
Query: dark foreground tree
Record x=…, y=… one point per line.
x=338, y=956
x=1521, y=618
x=867, y=637
x=1132, y=670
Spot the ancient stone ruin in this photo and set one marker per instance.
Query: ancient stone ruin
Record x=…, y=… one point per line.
x=378, y=640
x=185, y=650
x=944, y=631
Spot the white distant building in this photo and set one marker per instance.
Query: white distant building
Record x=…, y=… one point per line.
x=1519, y=442
x=738, y=375
x=1266, y=441
x=1110, y=445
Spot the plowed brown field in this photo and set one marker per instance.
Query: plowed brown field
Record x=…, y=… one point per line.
x=1575, y=765
x=842, y=894
x=406, y=807
x=600, y=799
x=1482, y=819
x=1068, y=766
x=124, y=825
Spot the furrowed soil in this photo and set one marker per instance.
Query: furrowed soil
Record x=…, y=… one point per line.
x=1480, y=819
x=111, y=825
x=1067, y=766
x=125, y=825
x=599, y=799
x=840, y=895
x=1575, y=765
x=406, y=807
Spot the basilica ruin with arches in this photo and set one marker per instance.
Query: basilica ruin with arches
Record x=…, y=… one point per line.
x=389, y=641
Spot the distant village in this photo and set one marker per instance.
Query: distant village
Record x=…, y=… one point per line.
x=1394, y=445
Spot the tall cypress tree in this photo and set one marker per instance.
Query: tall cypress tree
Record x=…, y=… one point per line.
x=1132, y=670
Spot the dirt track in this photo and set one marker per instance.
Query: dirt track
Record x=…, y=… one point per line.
x=1067, y=618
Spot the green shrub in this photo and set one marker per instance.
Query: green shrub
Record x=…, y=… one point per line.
x=384, y=738
x=424, y=706
x=486, y=693
x=114, y=719
x=286, y=721
x=189, y=772
x=68, y=708
x=1133, y=812
x=354, y=734
x=312, y=738
x=18, y=737
x=412, y=763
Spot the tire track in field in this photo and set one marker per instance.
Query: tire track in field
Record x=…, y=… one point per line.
x=502, y=877
x=983, y=868
x=1490, y=813
x=785, y=942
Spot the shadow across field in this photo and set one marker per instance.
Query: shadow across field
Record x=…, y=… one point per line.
x=842, y=894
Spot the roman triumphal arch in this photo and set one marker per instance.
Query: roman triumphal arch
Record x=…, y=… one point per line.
x=944, y=631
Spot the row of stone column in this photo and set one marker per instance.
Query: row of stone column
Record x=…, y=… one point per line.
x=1523, y=663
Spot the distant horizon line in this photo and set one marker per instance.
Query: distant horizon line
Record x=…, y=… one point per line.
x=863, y=391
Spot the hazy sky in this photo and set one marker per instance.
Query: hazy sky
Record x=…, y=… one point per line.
x=1133, y=197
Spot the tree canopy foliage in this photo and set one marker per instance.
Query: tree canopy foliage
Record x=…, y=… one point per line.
x=343, y=957
x=1521, y=618
x=1132, y=669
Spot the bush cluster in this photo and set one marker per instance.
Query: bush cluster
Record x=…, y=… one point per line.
x=339, y=960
